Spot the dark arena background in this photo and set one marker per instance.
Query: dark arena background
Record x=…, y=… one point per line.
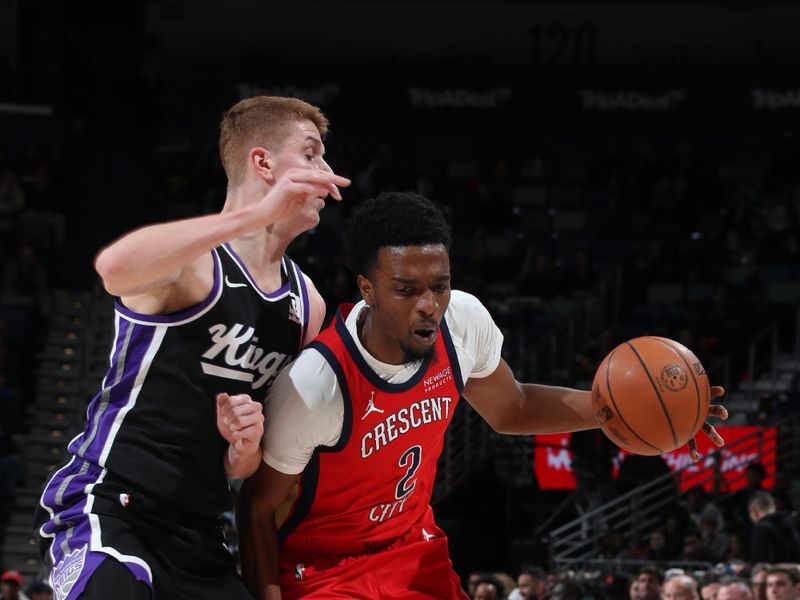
x=610, y=170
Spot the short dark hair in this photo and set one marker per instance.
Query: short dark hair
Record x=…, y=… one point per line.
x=651, y=569
x=535, y=573
x=392, y=219
x=791, y=572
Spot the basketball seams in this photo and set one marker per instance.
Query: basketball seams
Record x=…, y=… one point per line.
x=696, y=384
x=658, y=394
x=616, y=408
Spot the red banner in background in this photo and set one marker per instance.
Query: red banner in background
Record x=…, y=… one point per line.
x=553, y=459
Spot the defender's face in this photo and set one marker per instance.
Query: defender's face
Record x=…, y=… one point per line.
x=409, y=293
x=302, y=148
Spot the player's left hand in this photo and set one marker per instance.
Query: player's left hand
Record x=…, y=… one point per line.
x=714, y=410
x=240, y=420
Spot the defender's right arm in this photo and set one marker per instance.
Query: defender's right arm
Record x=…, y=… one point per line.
x=150, y=259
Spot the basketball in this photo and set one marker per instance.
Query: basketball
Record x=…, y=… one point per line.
x=650, y=395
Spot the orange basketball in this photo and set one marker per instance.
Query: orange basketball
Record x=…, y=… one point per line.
x=650, y=395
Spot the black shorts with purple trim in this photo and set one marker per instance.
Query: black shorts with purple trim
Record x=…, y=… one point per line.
x=85, y=519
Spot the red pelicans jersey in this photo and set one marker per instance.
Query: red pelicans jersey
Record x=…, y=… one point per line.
x=375, y=483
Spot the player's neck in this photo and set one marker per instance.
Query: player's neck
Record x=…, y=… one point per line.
x=370, y=339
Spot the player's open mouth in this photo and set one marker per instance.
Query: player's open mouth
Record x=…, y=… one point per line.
x=425, y=335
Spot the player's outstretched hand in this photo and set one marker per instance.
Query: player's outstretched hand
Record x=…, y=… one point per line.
x=294, y=190
x=714, y=410
x=240, y=420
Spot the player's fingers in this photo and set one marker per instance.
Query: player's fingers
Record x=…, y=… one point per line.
x=693, y=453
x=244, y=407
x=223, y=401
x=717, y=391
x=251, y=432
x=712, y=434
x=316, y=176
x=244, y=421
x=719, y=411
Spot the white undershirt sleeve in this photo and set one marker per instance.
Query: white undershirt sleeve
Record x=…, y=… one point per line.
x=303, y=410
x=475, y=334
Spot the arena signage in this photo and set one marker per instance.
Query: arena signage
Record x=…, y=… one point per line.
x=552, y=459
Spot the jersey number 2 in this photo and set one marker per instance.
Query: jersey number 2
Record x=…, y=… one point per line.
x=411, y=459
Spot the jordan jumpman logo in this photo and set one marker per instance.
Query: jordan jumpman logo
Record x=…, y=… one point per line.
x=371, y=406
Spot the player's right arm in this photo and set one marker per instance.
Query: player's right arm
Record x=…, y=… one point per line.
x=261, y=496
x=152, y=261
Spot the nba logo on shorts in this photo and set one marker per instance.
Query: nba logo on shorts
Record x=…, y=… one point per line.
x=66, y=573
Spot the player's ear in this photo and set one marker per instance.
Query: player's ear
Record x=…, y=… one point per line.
x=366, y=289
x=261, y=161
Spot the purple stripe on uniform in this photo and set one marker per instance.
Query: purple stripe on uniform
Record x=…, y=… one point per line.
x=279, y=292
x=181, y=315
x=106, y=406
x=304, y=293
x=112, y=378
x=69, y=484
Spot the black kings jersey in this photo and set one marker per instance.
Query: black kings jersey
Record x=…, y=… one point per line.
x=152, y=426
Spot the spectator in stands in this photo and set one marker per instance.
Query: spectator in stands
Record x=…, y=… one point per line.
x=675, y=526
x=531, y=584
x=614, y=587
x=647, y=584
x=472, y=582
x=709, y=586
x=738, y=547
x=26, y=281
x=507, y=583
x=680, y=587
x=758, y=580
x=715, y=540
x=489, y=588
x=656, y=550
x=11, y=586
x=567, y=590
x=783, y=583
x=700, y=508
x=774, y=537
x=737, y=502
x=693, y=548
x=40, y=591
x=734, y=588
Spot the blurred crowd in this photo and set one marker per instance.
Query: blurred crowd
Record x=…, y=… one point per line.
x=647, y=582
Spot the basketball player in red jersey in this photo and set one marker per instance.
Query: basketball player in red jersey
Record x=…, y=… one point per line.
x=362, y=414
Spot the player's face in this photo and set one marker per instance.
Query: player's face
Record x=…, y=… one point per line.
x=408, y=293
x=302, y=148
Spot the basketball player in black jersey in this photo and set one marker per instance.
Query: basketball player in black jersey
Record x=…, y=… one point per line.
x=208, y=311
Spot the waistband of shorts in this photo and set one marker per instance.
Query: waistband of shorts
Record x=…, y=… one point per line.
x=125, y=503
